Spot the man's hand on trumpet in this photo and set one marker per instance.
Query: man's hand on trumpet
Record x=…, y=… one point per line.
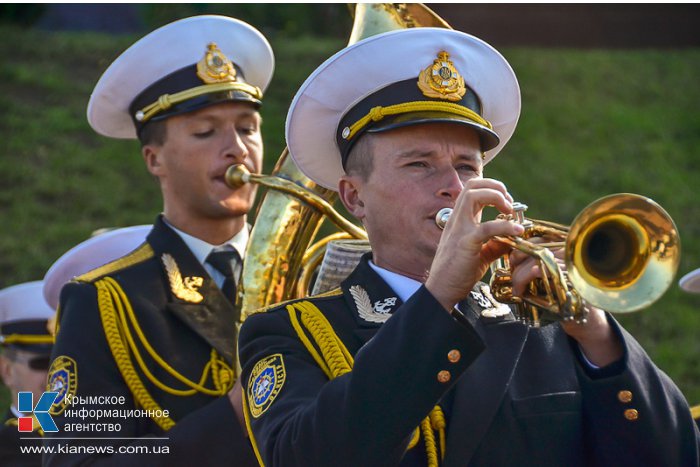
x=596, y=338
x=466, y=247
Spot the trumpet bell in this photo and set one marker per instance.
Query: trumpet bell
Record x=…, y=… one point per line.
x=622, y=252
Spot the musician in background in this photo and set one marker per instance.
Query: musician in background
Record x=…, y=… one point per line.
x=691, y=284
x=152, y=333
x=411, y=361
x=25, y=346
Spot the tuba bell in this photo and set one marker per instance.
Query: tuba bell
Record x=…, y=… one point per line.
x=621, y=252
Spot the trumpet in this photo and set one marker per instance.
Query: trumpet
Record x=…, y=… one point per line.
x=621, y=254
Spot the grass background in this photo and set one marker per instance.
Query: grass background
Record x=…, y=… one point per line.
x=594, y=122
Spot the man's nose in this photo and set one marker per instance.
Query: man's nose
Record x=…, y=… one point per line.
x=450, y=185
x=234, y=146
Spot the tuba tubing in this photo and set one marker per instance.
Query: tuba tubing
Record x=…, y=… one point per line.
x=238, y=175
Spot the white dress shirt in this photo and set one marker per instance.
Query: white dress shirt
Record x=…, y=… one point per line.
x=402, y=286
x=201, y=249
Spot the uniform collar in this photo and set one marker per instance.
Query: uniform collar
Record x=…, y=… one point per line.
x=374, y=293
x=201, y=249
x=402, y=285
x=207, y=312
x=369, y=295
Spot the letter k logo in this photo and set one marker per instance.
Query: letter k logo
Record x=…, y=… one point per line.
x=41, y=411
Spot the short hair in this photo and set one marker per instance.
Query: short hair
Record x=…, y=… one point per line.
x=153, y=133
x=360, y=160
x=8, y=352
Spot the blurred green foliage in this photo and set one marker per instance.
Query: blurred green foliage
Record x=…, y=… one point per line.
x=288, y=19
x=21, y=13
x=593, y=122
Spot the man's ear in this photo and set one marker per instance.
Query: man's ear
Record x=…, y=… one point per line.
x=152, y=156
x=6, y=371
x=349, y=190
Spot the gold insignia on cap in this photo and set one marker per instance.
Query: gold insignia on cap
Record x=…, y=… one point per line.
x=215, y=67
x=441, y=80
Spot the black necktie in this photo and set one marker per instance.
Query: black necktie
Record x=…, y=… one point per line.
x=227, y=262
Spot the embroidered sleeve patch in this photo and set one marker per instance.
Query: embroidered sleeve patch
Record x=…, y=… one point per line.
x=63, y=379
x=265, y=383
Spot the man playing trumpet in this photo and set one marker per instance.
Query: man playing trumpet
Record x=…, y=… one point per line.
x=411, y=362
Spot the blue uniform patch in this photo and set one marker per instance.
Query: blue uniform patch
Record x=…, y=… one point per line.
x=63, y=379
x=265, y=382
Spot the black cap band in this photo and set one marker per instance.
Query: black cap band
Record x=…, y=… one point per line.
x=182, y=80
x=29, y=335
x=404, y=92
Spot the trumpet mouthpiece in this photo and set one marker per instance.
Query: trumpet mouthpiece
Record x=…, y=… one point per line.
x=237, y=176
x=442, y=216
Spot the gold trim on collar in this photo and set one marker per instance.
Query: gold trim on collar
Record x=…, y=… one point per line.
x=183, y=288
x=35, y=425
x=139, y=255
x=330, y=293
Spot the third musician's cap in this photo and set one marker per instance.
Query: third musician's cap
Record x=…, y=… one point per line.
x=181, y=67
x=396, y=79
x=691, y=282
x=24, y=316
x=89, y=255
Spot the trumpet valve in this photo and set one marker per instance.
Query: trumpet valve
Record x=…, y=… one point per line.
x=519, y=215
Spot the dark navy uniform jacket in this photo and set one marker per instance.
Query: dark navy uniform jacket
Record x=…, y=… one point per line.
x=184, y=332
x=10, y=442
x=511, y=395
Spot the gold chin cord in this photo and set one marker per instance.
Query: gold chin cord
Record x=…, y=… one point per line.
x=621, y=253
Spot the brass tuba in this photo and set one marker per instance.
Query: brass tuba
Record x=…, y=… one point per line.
x=621, y=252
x=279, y=257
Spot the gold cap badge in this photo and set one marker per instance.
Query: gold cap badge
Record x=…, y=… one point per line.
x=215, y=67
x=441, y=80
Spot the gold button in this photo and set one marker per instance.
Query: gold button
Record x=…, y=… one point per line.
x=631, y=414
x=444, y=376
x=624, y=396
x=454, y=355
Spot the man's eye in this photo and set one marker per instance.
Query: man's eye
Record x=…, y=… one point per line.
x=204, y=134
x=417, y=164
x=467, y=168
x=248, y=130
